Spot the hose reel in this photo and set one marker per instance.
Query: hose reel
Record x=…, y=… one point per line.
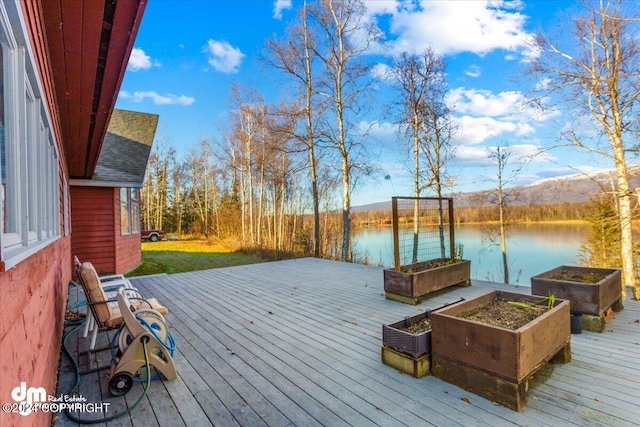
x=143, y=339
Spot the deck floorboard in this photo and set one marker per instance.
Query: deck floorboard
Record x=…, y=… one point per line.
x=297, y=343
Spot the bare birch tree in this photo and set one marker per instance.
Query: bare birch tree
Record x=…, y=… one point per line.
x=202, y=190
x=343, y=37
x=293, y=55
x=595, y=73
x=500, y=155
x=421, y=85
x=155, y=186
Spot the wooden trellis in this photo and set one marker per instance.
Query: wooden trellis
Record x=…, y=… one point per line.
x=422, y=229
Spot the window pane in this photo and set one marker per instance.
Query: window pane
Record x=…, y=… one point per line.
x=135, y=210
x=125, y=212
x=135, y=218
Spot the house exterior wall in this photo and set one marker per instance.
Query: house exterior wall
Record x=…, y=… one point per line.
x=33, y=296
x=93, y=217
x=33, y=292
x=96, y=237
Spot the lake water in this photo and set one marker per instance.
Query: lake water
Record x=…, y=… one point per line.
x=531, y=248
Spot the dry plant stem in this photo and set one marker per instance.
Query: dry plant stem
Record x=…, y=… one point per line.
x=591, y=278
x=423, y=325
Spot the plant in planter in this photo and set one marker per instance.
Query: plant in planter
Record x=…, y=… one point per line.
x=496, y=360
x=591, y=291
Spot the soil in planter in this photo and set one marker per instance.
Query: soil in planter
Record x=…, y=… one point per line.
x=422, y=325
x=577, y=276
x=430, y=264
x=500, y=313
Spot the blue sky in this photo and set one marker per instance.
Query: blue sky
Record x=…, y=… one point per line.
x=189, y=52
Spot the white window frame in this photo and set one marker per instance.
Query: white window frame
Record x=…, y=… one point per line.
x=130, y=207
x=67, y=207
x=32, y=203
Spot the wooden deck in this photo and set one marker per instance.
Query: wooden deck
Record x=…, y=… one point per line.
x=297, y=343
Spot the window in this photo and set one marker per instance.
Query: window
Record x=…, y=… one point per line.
x=129, y=211
x=29, y=168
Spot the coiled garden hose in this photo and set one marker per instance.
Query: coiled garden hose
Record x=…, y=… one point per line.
x=74, y=418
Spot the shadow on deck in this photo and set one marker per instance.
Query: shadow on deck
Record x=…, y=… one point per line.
x=297, y=343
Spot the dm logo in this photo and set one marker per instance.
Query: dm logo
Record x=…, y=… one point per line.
x=30, y=396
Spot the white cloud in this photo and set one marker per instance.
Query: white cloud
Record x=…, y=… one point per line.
x=382, y=7
x=479, y=155
x=508, y=105
x=524, y=152
x=543, y=84
x=383, y=131
x=223, y=57
x=157, y=99
x=474, y=130
x=279, y=6
x=140, y=60
x=484, y=102
x=472, y=154
x=481, y=115
x=478, y=26
x=473, y=71
x=381, y=72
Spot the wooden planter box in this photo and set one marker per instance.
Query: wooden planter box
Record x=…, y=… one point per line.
x=496, y=362
x=585, y=298
x=411, y=286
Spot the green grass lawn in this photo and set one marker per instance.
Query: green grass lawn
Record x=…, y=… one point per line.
x=188, y=255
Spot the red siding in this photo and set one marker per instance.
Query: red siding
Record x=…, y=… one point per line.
x=92, y=218
x=32, y=303
x=95, y=214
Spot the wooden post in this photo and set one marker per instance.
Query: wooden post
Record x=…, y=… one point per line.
x=396, y=242
x=452, y=236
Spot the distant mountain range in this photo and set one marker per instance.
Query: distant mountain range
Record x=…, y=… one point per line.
x=565, y=189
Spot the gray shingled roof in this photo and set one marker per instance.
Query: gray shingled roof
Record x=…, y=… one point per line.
x=126, y=147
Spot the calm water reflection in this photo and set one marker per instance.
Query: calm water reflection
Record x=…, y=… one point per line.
x=532, y=249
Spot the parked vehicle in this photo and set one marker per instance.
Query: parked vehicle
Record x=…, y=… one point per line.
x=152, y=235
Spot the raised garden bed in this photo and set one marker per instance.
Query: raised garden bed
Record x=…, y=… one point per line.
x=494, y=361
x=591, y=291
x=411, y=284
